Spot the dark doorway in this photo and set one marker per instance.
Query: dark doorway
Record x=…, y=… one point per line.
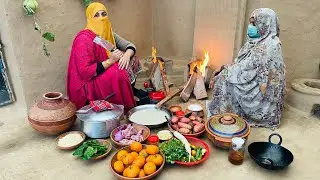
x=6, y=94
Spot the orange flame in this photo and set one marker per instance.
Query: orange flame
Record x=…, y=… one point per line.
x=204, y=63
x=154, y=52
x=154, y=58
x=201, y=64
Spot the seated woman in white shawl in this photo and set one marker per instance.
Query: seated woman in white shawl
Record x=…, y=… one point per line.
x=254, y=85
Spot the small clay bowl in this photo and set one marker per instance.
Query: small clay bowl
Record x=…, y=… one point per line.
x=104, y=143
x=146, y=134
x=73, y=146
x=175, y=108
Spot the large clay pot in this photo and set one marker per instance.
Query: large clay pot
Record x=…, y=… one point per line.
x=223, y=127
x=53, y=114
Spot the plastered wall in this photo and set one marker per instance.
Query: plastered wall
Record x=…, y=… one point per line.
x=216, y=25
x=173, y=27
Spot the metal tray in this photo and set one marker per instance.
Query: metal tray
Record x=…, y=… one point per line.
x=149, y=106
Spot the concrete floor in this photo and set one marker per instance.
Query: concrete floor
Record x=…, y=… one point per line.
x=25, y=154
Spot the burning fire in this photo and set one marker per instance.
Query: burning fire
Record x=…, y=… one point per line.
x=204, y=63
x=154, y=52
x=154, y=57
x=201, y=64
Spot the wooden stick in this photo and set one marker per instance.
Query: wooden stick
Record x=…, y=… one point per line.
x=164, y=77
x=199, y=90
x=169, y=97
x=188, y=89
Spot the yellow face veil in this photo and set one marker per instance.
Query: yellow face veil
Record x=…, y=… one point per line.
x=101, y=26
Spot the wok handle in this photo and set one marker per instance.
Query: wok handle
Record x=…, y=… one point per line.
x=275, y=134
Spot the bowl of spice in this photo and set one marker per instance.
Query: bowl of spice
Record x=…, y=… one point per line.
x=70, y=140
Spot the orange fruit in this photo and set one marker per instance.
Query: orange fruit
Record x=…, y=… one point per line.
x=139, y=161
x=157, y=159
x=136, y=146
x=141, y=173
x=128, y=159
x=152, y=149
x=121, y=154
x=143, y=153
x=134, y=154
x=150, y=158
x=125, y=172
x=133, y=171
x=149, y=168
x=118, y=166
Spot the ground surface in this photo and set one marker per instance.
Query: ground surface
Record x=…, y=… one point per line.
x=25, y=154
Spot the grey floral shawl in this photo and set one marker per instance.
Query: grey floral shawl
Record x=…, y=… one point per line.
x=254, y=85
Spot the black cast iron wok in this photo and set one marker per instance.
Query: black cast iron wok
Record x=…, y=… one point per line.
x=270, y=156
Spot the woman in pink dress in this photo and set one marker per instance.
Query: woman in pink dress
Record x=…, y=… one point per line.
x=94, y=72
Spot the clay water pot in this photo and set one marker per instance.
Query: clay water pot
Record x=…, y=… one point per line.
x=53, y=114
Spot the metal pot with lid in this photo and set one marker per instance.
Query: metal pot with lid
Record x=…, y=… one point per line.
x=223, y=127
x=100, y=124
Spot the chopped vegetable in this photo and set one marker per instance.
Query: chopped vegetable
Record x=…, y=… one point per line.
x=128, y=134
x=173, y=150
x=90, y=149
x=118, y=136
x=198, y=154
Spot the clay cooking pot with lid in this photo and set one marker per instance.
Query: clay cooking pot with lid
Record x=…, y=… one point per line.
x=53, y=114
x=223, y=127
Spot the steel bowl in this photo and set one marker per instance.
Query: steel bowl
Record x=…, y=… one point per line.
x=100, y=124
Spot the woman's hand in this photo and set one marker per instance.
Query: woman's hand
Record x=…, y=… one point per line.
x=116, y=55
x=124, y=62
x=125, y=59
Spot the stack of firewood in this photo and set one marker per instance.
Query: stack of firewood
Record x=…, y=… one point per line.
x=197, y=83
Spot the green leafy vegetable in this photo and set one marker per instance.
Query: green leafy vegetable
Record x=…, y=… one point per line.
x=174, y=150
x=90, y=149
x=49, y=36
x=198, y=154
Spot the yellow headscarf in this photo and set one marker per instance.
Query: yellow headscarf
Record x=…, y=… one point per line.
x=101, y=26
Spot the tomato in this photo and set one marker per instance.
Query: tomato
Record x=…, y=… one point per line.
x=146, y=85
x=179, y=113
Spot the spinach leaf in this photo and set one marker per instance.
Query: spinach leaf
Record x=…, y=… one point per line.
x=90, y=151
x=79, y=151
